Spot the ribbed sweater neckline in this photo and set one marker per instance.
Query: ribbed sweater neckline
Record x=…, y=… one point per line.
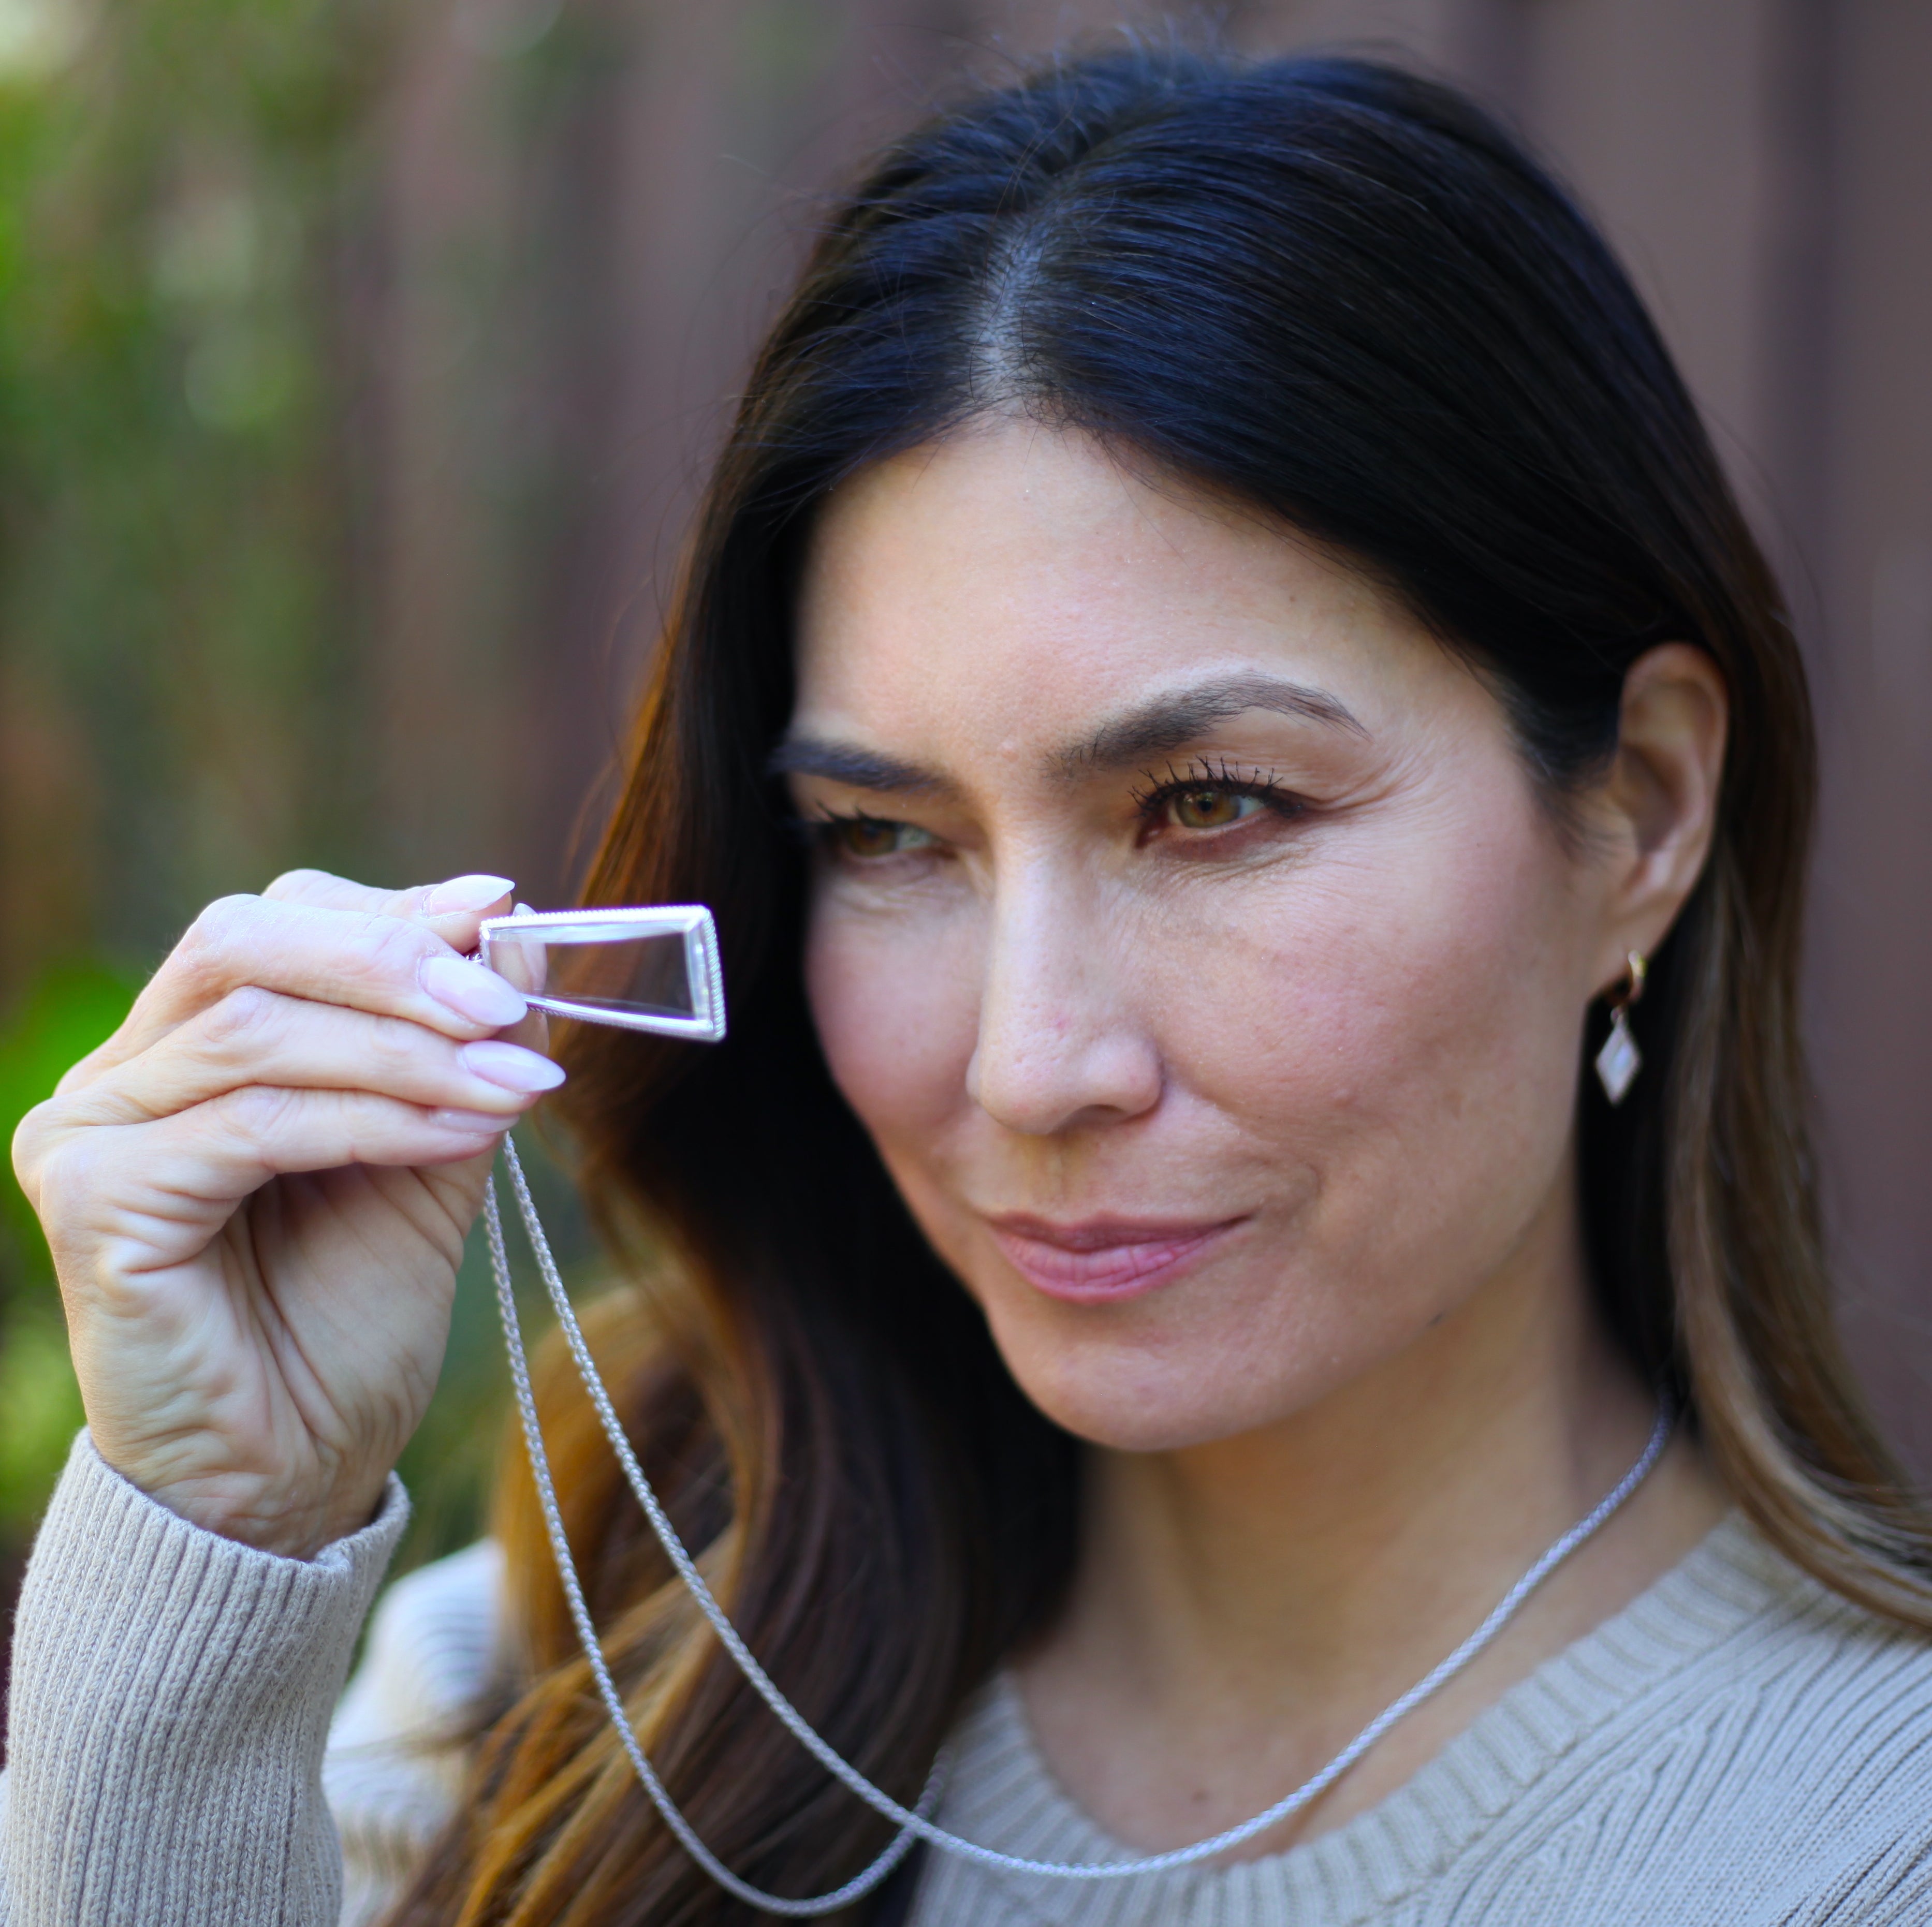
x=1004, y=1795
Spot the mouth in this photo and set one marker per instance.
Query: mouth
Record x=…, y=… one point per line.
x=1101, y=1260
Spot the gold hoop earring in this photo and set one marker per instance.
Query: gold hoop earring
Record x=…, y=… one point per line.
x=1619, y=1061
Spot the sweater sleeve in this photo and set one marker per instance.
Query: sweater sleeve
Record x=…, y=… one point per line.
x=170, y=1699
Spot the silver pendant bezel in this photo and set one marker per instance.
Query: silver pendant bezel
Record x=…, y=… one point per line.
x=703, y=969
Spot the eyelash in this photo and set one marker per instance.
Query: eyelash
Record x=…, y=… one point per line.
x=1150, y=800
x=1159, y=791
x=824, y=826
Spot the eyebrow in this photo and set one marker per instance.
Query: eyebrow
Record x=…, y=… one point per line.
x=1169, y=723
x=857, y=769
x=1157, y=728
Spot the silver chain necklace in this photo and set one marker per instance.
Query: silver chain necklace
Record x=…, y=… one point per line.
x=914, y=1822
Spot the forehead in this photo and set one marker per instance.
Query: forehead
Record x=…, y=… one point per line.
x=1019, y=576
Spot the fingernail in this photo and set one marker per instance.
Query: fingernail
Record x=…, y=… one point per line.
x=471, y=1123
x=510, y=1066
x=466, y=893
x=472, y=991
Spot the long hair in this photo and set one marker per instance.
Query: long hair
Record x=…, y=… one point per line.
x=1341, y=294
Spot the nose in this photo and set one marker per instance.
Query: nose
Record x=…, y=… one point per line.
x=1059, y=1046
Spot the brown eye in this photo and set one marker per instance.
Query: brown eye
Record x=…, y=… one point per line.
x=1207, y=809
x=868, y=838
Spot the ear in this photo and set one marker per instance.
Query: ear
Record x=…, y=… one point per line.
x=1657, y=806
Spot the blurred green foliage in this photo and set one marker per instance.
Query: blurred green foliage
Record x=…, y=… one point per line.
x=190, y=228
x=69, y=1011
x=172, y=524
x=176, y=518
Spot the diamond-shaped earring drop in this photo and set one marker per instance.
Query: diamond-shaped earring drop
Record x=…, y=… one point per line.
x=1619, y=1061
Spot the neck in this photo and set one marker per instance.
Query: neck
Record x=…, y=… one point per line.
x=1256, y=1600
x=1326, y=1543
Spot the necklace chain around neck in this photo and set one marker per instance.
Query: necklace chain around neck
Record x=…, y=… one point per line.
x=914, y=1822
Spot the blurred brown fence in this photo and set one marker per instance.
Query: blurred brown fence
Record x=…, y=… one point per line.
x=357, y=360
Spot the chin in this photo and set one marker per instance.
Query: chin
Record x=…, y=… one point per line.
x=1137, y=1397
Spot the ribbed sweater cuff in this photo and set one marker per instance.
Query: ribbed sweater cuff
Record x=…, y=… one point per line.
x=169, y=1705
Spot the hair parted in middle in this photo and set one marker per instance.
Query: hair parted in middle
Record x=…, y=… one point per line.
x=1341, y=295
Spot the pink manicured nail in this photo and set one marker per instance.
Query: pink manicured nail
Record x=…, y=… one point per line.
x=470, y=1123
x=466, y=893
x=472, y=991
x=510, y=1066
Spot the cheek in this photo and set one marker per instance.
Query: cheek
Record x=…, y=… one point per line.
x=1375, y=1055
x=894, y=1001
x=1401, y=1024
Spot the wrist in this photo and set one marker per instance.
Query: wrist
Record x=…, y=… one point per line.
x=301, y=1533
x=264, y=1514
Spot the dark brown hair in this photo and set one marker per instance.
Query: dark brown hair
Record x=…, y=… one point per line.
x=1341, y=294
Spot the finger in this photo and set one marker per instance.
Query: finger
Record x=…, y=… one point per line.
x=255, y=1036
x=176, y=1182
x=265, y=1132
x=452, y=909
x=469, y=895
x=388, y=966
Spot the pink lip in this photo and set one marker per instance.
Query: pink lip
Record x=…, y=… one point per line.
x=1102, y=1260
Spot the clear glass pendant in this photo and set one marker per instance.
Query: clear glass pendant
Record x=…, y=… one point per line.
x=654, y=969
x=1619, y=1061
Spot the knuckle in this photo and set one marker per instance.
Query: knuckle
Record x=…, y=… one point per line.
x=64, y=1172
x=80, y=1073
x=215, y=935
x=219, y=920
x=299, y=883
x=30, y=1150
x=244, y=1019
x=395, y=950
x=383, y=1048
x=260, y=1113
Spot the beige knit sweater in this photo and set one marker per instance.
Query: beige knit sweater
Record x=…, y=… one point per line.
x=1737, y=1746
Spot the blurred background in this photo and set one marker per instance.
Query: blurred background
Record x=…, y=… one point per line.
x=358, y=358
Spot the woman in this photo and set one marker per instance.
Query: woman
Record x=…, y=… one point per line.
x=1217, y=662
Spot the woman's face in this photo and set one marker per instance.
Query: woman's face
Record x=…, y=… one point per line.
x=1186, y=931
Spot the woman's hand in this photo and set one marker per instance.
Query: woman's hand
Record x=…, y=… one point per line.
x=256, y=1193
